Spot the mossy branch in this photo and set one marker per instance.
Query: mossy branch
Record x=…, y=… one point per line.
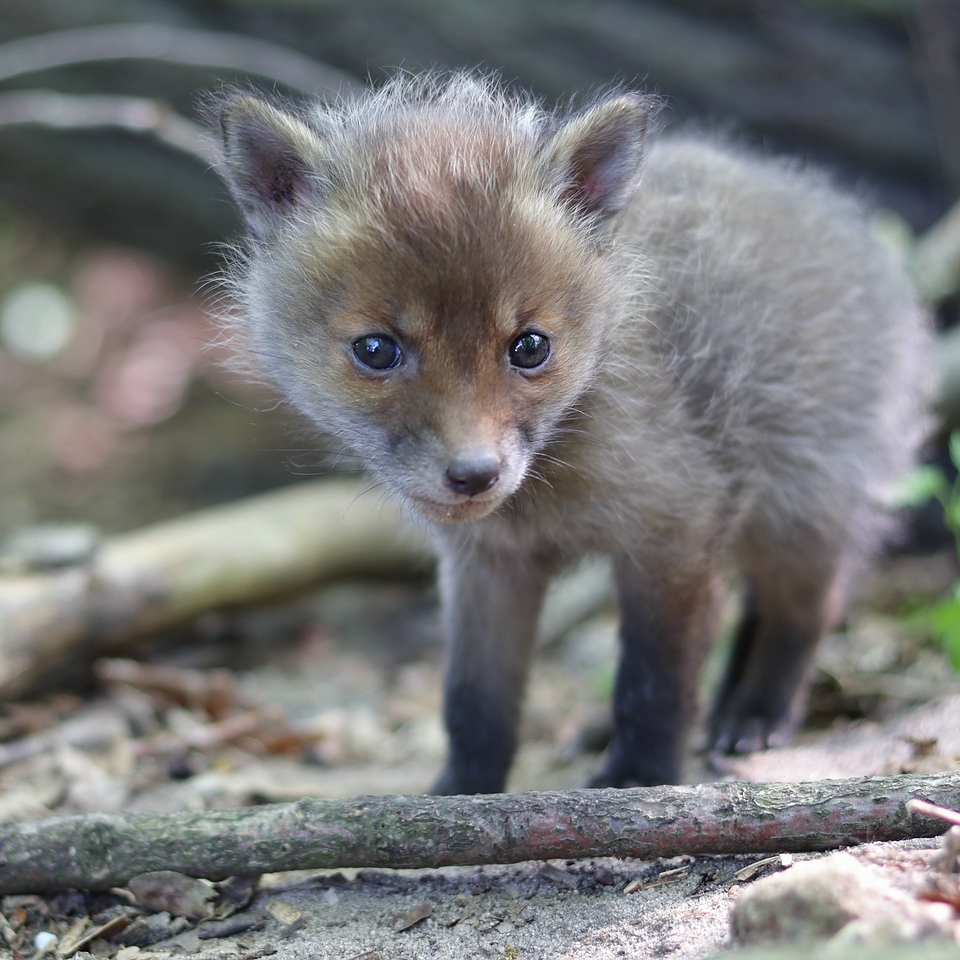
x=102, y=850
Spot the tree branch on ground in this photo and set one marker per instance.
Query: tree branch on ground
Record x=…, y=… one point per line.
x=102, y=850
x=261, y=548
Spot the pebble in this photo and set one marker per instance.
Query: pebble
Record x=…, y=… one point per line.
x=44, y=940
x=834, y=896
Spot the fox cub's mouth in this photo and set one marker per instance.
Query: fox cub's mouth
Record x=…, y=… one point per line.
x=464, y=510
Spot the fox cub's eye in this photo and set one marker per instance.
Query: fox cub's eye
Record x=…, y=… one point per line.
x=529, y=350
x=377, y=351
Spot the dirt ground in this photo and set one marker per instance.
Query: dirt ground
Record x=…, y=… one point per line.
x=350, y=705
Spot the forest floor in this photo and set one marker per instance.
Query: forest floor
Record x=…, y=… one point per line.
x=349, y=704
x=337, y=693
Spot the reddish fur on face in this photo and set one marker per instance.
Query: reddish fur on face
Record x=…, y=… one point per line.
x=448, y=241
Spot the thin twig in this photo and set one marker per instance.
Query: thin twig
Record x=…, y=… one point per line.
x=73, y=111
x=932, y=810
x=152, y=41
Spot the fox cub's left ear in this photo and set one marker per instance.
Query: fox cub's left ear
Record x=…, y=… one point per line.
x=596, y=155
x=271, y=162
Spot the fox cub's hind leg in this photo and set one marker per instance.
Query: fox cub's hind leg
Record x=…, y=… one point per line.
x=664, y=631
x=492, y=601
x=795, y=595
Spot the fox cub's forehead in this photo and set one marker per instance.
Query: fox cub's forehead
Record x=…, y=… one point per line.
x=448, y=212
x=432, y=230
x=443, y=182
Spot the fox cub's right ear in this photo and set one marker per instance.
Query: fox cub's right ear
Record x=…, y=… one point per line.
x=271, y=162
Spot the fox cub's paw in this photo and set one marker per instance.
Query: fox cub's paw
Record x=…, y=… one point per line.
x=743, y=731
x=649, y=770
x=456, y=782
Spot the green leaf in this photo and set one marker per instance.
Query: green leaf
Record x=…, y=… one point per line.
x=955, y=448
x=602, y=681
x=921, y=485
x=945, y=626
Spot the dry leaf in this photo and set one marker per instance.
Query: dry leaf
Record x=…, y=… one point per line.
x=406, y=920
x=175, y=893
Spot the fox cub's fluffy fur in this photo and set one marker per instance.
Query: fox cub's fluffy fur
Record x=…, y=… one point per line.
x=546, y=354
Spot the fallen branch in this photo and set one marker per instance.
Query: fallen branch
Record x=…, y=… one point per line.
x=102, y=850
x=85, y=111
x=154, y=41
x=260, y=548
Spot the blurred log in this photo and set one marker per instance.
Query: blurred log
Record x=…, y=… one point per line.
x=103, y=850
x=153, y=41
x=164, y=575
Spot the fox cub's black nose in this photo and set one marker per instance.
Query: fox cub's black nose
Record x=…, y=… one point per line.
x=470, y=476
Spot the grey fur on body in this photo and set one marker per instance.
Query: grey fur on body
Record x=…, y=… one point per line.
x=734, y=370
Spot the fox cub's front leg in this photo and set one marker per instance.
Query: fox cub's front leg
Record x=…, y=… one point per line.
x=665, y=627
x=492, y=600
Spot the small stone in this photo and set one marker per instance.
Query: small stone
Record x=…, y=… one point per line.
x=605, y=877
x=820, y=898
x=282, y=912
x=44, y=941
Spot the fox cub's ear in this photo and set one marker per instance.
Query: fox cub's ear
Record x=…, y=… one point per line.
x=597, y=154
x=271, y=160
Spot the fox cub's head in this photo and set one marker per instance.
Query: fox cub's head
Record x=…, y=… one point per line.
x=429, y=271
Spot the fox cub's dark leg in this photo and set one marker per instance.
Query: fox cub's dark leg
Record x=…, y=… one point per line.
x=793, y=599
x=492, y=602
x=739, y=653
x=664, y=631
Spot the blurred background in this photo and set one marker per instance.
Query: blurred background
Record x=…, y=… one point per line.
x=117, y=408
x=113, y=406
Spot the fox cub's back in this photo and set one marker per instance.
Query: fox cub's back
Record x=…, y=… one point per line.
x=792, y=345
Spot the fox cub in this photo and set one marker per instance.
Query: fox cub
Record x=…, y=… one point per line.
x=550, y=336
